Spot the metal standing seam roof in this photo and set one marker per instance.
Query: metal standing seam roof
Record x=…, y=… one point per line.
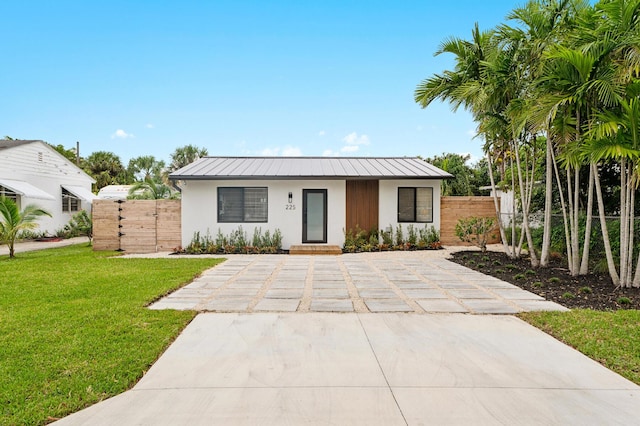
x=211, y=168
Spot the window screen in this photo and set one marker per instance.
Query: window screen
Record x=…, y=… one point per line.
x=242, y=205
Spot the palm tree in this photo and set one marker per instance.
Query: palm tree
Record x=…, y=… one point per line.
x=12, y=221
x=186, y=155
x=151, y=190
x=146, y=167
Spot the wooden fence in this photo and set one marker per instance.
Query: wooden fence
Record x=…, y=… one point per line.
x=136, y=226
x=454, y=208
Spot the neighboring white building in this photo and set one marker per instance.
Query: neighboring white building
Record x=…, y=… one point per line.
x=114, y=192
x=312, y=200
x=32, y=172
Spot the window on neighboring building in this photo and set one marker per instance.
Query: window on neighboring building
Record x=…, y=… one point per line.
x=70, y=203
x=242, y=204
x=415, y=204
x=6, y=192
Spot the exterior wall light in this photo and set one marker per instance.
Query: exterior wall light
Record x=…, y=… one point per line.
x=290, y=197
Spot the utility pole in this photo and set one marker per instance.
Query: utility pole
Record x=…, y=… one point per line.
x=78, y=153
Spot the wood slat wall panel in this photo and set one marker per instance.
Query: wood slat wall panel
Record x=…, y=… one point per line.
x=362, y=198
x=454, y=208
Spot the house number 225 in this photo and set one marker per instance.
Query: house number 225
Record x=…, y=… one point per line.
x=290, y=207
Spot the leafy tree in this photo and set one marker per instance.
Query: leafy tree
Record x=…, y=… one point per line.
x=107, y=169
x=185, y=155
x=456, y=164
x=12, y=221
x=69, y=154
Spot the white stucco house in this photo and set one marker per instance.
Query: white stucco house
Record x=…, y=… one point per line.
x=312, y=200
x=32, y=172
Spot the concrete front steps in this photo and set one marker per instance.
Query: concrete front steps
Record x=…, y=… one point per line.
x=315, y=249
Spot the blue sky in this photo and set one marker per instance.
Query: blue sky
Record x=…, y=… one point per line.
x=237, y=77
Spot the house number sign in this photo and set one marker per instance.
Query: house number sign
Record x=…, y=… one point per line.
x=289, y=206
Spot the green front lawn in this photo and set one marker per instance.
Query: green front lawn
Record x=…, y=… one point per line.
x=611, y=338
x=74, y=328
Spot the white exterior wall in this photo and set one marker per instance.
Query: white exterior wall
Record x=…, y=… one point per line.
x=199, y=208
x=388, y=202
x=44, y=168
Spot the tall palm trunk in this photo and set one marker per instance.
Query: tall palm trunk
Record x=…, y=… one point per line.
x=548, y=200
x=525, y=211
x=613, y=273
x=584, y=266
x=503, y=235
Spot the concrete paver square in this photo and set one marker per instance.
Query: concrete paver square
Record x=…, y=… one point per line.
x=331, y=293
x=460, y=285
x=228, y=304
x=246, y=284
x=331, y=305
x=377, y=294
x=516, y=294
x=284, y=293
x=370, y=284
x=480, y=351
x=490, y=306
x=277, y=305
x=427, y=293
x=237, y=292
x=387, y=305
x=413, y=285
x=441, y=306
x=288, y=284
x=539, y=305
x=470, y=294
x=328, y=284
x=481, y=406
x=265, y=350
x=245, y=407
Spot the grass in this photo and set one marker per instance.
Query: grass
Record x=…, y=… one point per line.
x=610, y=338
x=74, y=328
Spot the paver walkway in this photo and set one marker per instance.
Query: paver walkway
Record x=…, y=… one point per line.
x=415, y=282
x=368, y=369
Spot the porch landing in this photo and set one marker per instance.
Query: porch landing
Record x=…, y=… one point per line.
x=315, y=249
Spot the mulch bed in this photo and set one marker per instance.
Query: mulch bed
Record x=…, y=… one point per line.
x=592, y=291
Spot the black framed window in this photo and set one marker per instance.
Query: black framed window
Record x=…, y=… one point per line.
x=239, y=204
x=415, y=204
x=70, y=203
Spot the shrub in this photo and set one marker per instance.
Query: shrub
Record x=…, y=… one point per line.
x=79, y=224
x=554, y=280
x=538, y=284
x=518, y=277
x=475, y=230
x=624, y=300
x=586, y=290
x=568, y=295
x=235, y=242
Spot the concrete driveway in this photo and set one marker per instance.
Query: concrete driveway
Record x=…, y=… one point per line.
x=369, y=369
x=418, y=282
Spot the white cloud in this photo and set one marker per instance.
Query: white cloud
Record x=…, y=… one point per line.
x=121, y=134
x=353, y=139
x=329, y=153
x=150, y=126
x=291, y=151
x=287, y=151
x=349, y=148
x=322, y=133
